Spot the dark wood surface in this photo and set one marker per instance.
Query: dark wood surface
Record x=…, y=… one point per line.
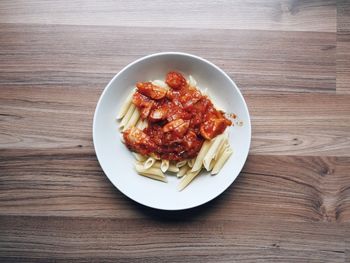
x=291, y=203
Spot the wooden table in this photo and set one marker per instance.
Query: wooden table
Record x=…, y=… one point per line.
x=291, y=59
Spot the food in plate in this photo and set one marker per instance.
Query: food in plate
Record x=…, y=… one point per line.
x=172, y=126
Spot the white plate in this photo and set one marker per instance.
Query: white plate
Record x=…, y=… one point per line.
x=117, y=161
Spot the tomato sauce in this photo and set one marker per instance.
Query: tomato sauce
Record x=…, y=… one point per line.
x=179, y=120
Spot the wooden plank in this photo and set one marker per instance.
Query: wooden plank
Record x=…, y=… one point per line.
x=259, y=61
x=154, y=240
x=71, y=183
x=41, y=118
x=343, y=47
x=343, y=64
x=51, y=117
x=308, y=124
x=319, y=16
x=343, y=16
x=291, y=203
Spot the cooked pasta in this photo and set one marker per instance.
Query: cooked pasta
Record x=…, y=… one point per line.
x=214, y=147
x=141, y=109
x=191, y=81
x=164, y=166
x=183, y=170
x=221, y=160
x=149, y=162
x=123, y=110
x=133, y=119
x=139, y=124
x=211, y=165
x=202, y=153
x=140, y=157
x=187, y=179
x=151, y=172
x=190, y=163
x=127, y=116
x=160, y=83
x=221, y=149
x=181, y=163
x=172, y=168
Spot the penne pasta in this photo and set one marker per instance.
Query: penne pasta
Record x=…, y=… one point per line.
x=204, y=92
x=222, y=149
x=139, y=166
x=122, y=138
x=156, y=164
x=181, y=163
x=123, y=110
x=133, y=119
x=221, y=146
x=139, y=157
x=160, y=83
x=139, y=124
x=153, y=173
x=153, y=176
x=221, y=160
x=155, y=157
x=211, y=166
x=164, y=166
x=144, y=124
x=182, y=171
x=212, y=151
x=187, y=179
x=172, y=167
x=218, y=153
x=149, y=162
x=190, y=163
x=191, y=81
x=214, y=101
x=203, y=151
x=127, y=116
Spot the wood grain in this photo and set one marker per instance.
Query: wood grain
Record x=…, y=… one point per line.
x=296, y=189
x=34, y=119
x=289, y=15
x=291, y=202
x=343, y=47
x=300, y=124
x=259, y=61
x=78, y=239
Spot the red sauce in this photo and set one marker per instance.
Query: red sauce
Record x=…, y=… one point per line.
x=179, y=120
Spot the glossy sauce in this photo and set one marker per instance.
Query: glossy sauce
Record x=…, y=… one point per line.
x=179, y=120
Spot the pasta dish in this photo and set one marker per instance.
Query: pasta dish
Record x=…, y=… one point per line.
x=173, y=126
